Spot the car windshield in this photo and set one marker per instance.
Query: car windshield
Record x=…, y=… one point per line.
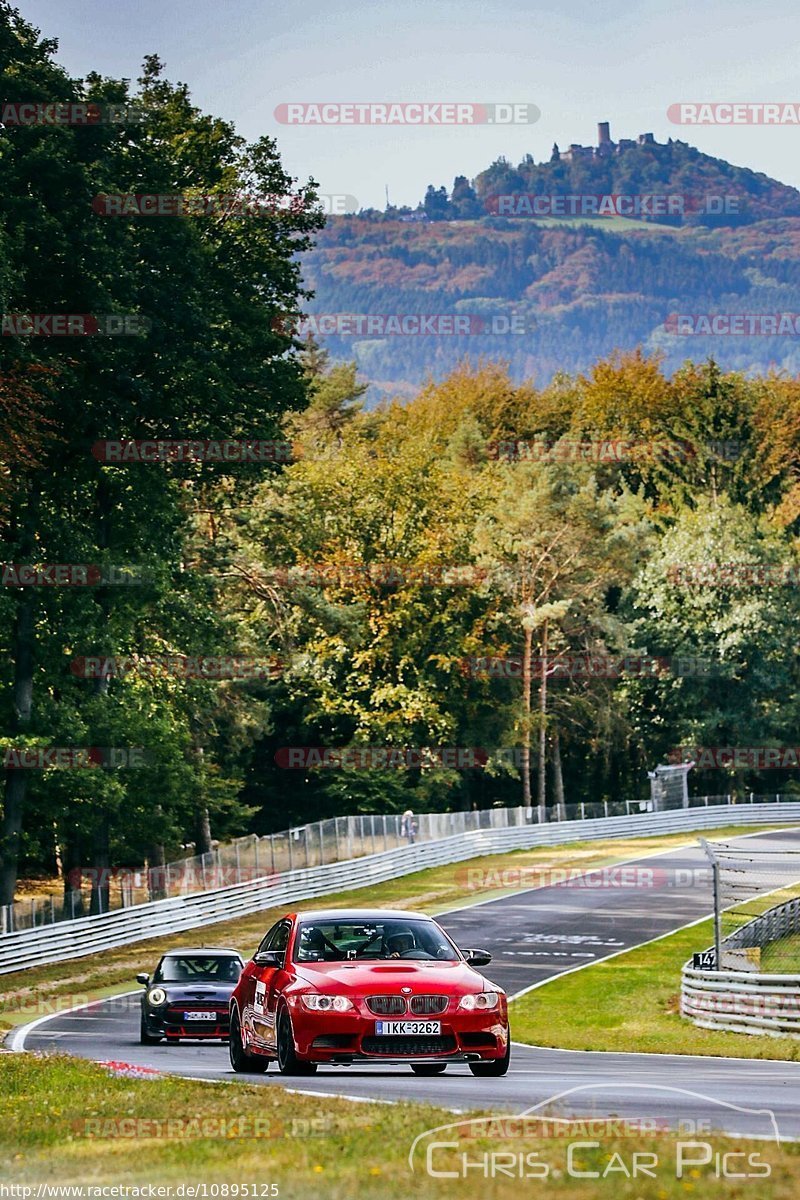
x=340, y=941
x=198, y=968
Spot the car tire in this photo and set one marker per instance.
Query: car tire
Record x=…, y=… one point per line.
x=494, y=1067
x=145, y=1037
x=288, y=1062
x=428, y=1068
x=241, y=1061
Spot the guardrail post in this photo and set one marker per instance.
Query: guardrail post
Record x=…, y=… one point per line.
x=321, y=845
x=305, y=839
x=255, y=851
x=385, y=835
x=238, y=864
x=605, y=807
x=583, y=811
x=291, y=855
x=336, y=839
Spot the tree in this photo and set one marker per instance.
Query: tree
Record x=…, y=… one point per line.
x=211, y=364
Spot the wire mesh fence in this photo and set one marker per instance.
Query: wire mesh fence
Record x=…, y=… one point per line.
x=756, y=905
x=334, y=840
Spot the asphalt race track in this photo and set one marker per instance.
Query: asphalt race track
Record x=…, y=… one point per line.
x=534, y=935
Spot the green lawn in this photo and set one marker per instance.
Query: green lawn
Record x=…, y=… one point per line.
x=781, y=957
x=631, y=1003
x=69, y=1122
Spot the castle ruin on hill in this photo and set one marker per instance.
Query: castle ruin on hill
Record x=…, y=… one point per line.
x=604, y=146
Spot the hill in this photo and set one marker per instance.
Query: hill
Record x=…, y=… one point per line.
x=547, y=298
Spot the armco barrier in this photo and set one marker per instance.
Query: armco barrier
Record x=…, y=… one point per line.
x=745, y=1001
x=742, y=1002
x=75, y=939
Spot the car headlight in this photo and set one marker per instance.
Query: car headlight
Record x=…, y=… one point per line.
x=479, y=1001
x=323, y=1002
x=156, y=996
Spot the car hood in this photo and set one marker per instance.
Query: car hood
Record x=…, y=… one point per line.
x=386, y=978
x=184, y=992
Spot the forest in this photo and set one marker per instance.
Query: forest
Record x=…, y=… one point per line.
x=486, y=589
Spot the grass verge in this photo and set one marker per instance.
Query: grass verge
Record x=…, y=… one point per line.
x=68, y=1122
x=632, y=1003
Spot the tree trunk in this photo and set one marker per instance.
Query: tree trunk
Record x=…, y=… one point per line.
x=202, y=839
x=526, y=724
x=71, y=870
x=101, y=868
x=558, y=778
x=16, y=781
x=156, y=881
x=543, y=723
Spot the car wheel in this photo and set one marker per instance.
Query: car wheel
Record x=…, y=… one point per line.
x=146, y=1038
x=240, y=1060
x=495, y=1066
x=288, y=1062
x=428, y=1068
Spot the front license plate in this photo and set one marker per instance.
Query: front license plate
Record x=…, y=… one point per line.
x=395, y=1028
x=199, y=1016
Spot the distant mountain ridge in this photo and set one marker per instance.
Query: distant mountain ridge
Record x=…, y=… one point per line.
x=558, y=293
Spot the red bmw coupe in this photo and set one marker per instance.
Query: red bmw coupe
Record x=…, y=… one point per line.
x=362, y=985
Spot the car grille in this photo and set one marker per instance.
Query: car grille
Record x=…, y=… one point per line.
x=425, y=1005
x=386, y=1006
x=411, y=1046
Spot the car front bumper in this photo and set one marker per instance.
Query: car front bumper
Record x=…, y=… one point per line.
x=170, y=1022
x=346, y=1037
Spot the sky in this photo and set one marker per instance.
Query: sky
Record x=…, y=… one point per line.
x=586, y=62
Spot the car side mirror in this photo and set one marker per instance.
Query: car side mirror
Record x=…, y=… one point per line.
x=268, y=958
x=477, y=958
x=143, y=979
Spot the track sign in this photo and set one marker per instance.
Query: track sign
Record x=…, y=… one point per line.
x=704, y=961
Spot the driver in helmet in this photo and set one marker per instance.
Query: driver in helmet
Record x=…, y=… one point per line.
x=399, y=943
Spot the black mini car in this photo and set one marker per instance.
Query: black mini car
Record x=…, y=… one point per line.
x=189, y=995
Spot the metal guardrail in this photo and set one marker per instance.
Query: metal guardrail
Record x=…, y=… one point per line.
x=87, y=935
x=743, y=1001
x=338, y=839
